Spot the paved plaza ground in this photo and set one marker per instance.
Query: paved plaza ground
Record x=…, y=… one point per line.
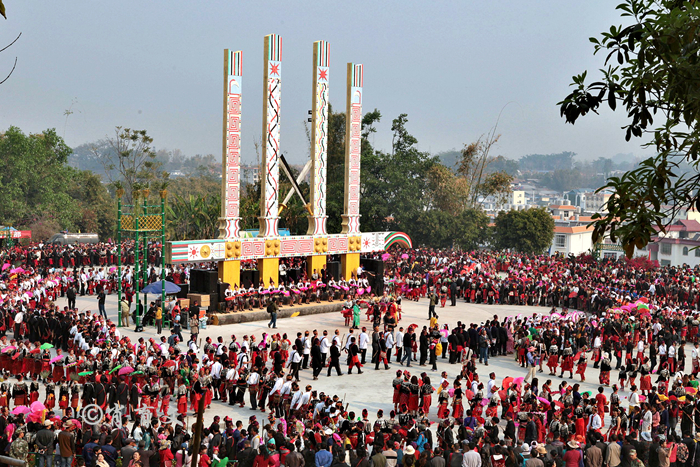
x=371, y=390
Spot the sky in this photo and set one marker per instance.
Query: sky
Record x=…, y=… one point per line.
x=452, y=66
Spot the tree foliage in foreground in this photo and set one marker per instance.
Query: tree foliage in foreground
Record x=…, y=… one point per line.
x=40, y=192
x=651, y=71
x=526, y=231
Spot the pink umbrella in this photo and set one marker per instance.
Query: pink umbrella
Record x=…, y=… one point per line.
x=56, y=359
x=404, y=256
x=8, y=349
x=112, y=269
x=386, y=257
x=125, y=370
x=518, y=381
x=21, y=409
x=76, y=423
x=37, y=406
x=16, y=270
x=5, y=266
x=544, y=401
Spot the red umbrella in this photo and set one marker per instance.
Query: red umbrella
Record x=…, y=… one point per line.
x=507, y=381
x=559, y=404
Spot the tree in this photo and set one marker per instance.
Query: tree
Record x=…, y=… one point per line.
x=34, y=178
x=652, y=67
x=129, y=159
x=526, y=231
x=473, y=166
x=97, y=208
x=193, y=216
x=393, y=184
x=467, y=230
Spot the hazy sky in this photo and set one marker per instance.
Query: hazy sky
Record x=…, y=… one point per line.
x=450, y=65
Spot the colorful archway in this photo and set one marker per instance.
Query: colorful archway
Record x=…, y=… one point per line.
x=398, y=238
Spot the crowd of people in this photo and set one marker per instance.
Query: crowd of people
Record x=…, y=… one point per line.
x=636, y=325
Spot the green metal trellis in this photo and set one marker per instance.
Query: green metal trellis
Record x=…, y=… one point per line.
x=141, y=222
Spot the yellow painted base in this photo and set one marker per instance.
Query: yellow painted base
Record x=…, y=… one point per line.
x=349, y=264
x=315, y=263
x=269, y=268
x=230, y=272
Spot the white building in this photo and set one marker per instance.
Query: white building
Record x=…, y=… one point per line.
x=679, y=245
x=572, y=238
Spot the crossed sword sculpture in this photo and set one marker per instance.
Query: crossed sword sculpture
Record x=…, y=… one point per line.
x=295, y=185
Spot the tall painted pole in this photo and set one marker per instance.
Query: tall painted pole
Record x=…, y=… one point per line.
x=350, y=262
x=319, y=138
x=229, y=223
x=353, y=149
x=269, y=210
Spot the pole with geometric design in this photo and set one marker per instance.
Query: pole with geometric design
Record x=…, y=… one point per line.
x=319, y=138
x=353, y=148
x=272, y=83
x=229, y=222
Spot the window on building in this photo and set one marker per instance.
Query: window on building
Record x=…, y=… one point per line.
x=697, y=252
x=685, y=251
x=610, y=255
x=665, y=262
x=665, y=248
x=566, y=213
x=560, y=241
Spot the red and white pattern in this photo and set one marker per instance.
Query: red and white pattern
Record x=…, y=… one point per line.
x=291, y=246
x=337, y=244
x=353, y=148
x=270, y=150
x=254, y=248
x=319, y=137
x=232, y=149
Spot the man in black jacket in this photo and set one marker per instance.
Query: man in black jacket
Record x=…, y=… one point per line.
x=45, y=441
x=335, y=360
x=530, y=430
x=246, y=456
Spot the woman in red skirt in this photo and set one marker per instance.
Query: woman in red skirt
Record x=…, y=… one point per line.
x=645, y=379
x=58, y=374
x=553, y=360
x=413, y=396
x=63, y=398
x=45, y=363
x=568, y=363
x=17, y=360
x=426, y=391
x=404, y=390
x=581, y=366
x=457, y=407
x=181, y=397
x=396, y=384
